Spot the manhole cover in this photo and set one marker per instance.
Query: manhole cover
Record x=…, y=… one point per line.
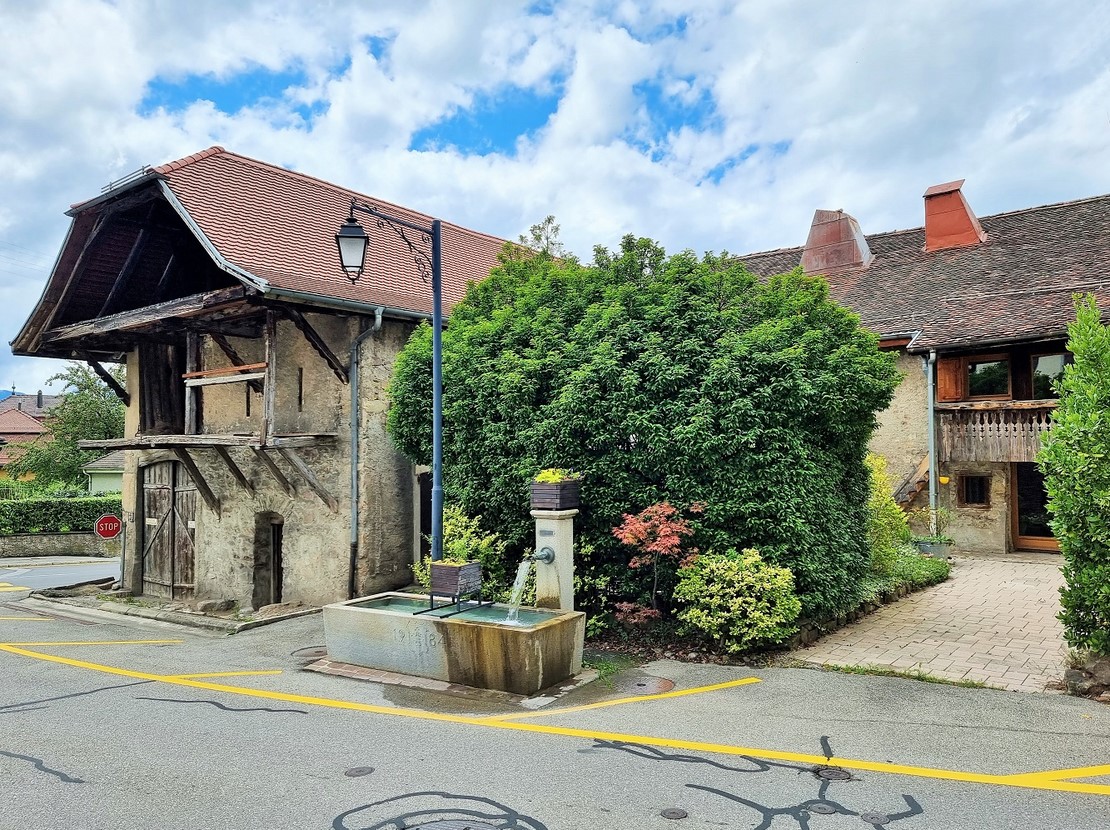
x=674, y=812
x=821, y=809
x=644, y=684
x=311, y=652
x=358, y=772
x=875, y=818
x=833, y=774
x=456, y=824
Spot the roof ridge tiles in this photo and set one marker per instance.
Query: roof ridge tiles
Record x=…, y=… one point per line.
x=170, y=166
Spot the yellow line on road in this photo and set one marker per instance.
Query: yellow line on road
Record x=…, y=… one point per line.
x=223, y=674
x=11, y=588
x=1032, y=781
x=96, y=643
x=1061, y=774
x=697, y=690
x=27, y=619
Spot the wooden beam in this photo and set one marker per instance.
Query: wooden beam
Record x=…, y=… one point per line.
x=233, y=468
x=317, y=342
x=195, y=304
x=232, y=355
x=125, y=273
x=198, y=479
x=163, y=442
x=111, y=382
x=247, y=378
x=77, y=270
x=164, y=280
x=191, y=357
x=269, y=387
x=275, y=471
x=306, y=473
x=223, y=370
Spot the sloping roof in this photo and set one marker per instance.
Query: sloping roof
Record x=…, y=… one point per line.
x=279, y=226
x=112, y=462
x=30, y=404
x=13, y=422
x=1017, y=285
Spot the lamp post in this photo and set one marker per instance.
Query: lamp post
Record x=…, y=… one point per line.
x=352, y=243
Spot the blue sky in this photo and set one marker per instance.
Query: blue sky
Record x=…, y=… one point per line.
x=704, y=124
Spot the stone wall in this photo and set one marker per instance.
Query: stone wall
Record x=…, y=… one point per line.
x=977, y=529
x=309, y=398
x=84, y=543
x=902, y=437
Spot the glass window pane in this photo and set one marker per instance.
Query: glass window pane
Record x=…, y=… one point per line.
x=988, y=377
x=1048, y=368
x=1032, y=502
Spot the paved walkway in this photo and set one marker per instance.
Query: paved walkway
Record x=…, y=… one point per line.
x=993, y=621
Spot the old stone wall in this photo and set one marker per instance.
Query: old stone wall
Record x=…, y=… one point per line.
x=81, y=543
x=977, y=529
x=309, y=398
x=902, y=437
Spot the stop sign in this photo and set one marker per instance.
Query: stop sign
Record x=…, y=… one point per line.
x=108, y=527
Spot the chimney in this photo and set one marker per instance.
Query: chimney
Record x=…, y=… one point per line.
x=835, y=242
x=949, y=220
x=38, y=401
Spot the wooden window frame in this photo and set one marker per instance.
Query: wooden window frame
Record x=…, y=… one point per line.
x=961, y=483
x=1018, y=541
x=987, y=358
x=1032, y=361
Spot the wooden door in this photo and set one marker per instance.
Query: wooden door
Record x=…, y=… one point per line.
x=169, y=528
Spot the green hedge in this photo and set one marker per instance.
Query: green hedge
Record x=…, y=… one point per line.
x=55, y=515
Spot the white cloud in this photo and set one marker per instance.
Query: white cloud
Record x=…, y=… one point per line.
x=707, y=124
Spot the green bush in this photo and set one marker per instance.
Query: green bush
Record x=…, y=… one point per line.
x=887, y=528
x=659, y=379
x=1075, y=461
x=55, y=515
x=737, y=600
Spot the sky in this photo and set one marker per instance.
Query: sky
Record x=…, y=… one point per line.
x=703, y=124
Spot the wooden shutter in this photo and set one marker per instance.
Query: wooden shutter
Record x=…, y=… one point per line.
x=950, y=379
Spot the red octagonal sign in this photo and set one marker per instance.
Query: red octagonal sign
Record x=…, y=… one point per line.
x=108, y=527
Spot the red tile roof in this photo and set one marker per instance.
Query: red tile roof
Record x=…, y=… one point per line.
x=279, y=226
x=16, y=425
x=30, y=404
x=1017, y=285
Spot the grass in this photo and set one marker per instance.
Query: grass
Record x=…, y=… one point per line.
x=607, y=665
x=908, y=674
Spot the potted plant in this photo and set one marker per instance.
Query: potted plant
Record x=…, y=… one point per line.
x=555, y=489
x=932, y=540
x=455, y=579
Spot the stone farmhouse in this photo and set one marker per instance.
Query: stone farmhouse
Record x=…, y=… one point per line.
x=977, y=310
x=257, y=465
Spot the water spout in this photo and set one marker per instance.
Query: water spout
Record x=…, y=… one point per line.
x=518, y=591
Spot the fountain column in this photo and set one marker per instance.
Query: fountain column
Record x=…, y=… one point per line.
x=555, y=579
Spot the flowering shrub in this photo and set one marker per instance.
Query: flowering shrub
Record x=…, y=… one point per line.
x=737, y=600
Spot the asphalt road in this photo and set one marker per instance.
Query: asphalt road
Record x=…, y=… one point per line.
x=119, y=723
x=53, y=572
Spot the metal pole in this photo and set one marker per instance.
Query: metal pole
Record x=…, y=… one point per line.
x=930, y=394
x=437, y=395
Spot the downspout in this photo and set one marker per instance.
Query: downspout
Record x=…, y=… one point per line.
x=352, y=373
x=930, y=365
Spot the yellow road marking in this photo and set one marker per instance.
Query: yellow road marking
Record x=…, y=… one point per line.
x=1031, y=780
x=28, y=619
x=1075, y=772
x=11, y=588
x=697, y=690
x=97, y=643
x=223, y=674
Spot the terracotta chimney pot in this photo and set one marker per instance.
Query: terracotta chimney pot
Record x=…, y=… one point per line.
x=949, y=219
x=835, y=242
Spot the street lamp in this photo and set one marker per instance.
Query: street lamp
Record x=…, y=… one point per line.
x=352, y=242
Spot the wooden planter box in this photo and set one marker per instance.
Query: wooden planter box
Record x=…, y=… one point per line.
x=453, y=580
x=562, y=495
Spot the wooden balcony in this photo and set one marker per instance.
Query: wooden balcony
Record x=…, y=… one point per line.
x=992, y=430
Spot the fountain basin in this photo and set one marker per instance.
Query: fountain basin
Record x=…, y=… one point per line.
x=474, y=648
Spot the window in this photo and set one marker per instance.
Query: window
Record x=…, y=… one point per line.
x=1046, y=370
x=973, y=491
x=988, y=377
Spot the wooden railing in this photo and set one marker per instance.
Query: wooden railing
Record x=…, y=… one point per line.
x=992, y=430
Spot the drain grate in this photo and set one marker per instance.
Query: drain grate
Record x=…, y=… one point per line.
x=311, y=652
x=821, y=809
x=456, y=824
x=674, y=812
x=643, y=684
x=358, y=772
x=832, y=774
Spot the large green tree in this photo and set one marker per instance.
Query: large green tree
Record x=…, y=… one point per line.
x=89, y=410
x=659, y=378
x=1076, y=465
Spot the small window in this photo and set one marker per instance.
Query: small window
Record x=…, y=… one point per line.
x=1047, y=370
x=988, y=377
x=974, y=491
